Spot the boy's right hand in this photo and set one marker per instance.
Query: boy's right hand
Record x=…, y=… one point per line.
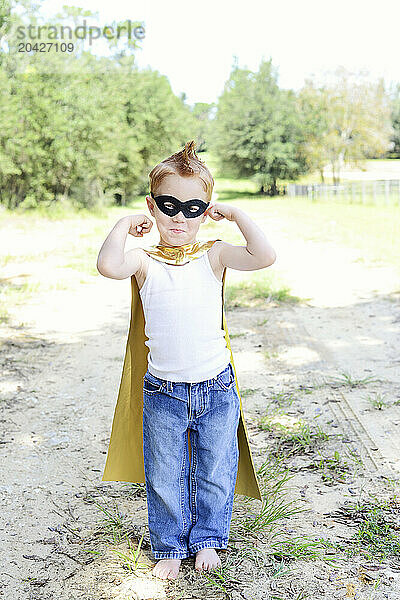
x=138, y=224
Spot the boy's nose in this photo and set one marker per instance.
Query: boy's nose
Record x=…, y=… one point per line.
x=180, y=216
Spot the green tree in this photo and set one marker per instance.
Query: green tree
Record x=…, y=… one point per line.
x=313, y=110
x=395, y=117
x=257, y=129
x=203, y=113
x=153, y=123
x=79, y=126
x=354, y=120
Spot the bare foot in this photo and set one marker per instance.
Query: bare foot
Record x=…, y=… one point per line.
x=207, y=559
x=167, y=568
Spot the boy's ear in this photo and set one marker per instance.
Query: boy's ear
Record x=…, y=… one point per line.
x=204, y=216
x=150, y=204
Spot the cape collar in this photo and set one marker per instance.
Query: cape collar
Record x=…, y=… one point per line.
x=179, y=255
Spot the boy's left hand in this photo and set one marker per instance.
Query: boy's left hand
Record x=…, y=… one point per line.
x=218, y=211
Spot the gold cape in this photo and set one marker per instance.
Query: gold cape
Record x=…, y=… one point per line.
x=125, y=461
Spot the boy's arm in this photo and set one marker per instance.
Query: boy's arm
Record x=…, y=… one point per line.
x=257, y=254
x=112, y=261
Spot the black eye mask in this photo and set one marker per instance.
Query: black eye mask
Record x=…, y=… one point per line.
x=190, y=208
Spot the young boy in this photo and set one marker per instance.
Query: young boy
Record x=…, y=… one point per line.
x=189, y=385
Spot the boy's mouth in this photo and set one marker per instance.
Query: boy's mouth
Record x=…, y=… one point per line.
x=178, y=230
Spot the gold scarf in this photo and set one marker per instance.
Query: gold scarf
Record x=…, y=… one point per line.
x=125, y=452
x=177, y=255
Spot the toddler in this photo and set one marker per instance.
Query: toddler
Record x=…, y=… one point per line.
x=191, y=406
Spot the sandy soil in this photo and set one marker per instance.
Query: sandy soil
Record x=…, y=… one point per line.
x=61, y=363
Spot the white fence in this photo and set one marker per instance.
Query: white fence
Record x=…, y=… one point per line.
x=384, y=191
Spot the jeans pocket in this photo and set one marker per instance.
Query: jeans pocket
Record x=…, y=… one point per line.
x=226, y=379
x=152, y=384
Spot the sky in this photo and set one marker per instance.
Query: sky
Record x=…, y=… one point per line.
x=195, y=44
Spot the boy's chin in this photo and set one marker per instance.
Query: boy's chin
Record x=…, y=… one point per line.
x=178, y=239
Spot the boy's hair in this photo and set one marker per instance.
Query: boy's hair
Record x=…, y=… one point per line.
x=185, y=163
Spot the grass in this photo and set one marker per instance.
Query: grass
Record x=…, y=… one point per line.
x=282, y=399
x=377, y=401
x=258, y=540
x=300, y=438
x=257, y=537
x=236, y=335
x=371, y=229
x=294, y=436
x=333, y=469
x=345, y=379
x=131, y=558
x=256, y=292
x=376, y=524
x=246, y=392
x=12, y=294
x=274, y=477
x=115, y=533
x=18, y=294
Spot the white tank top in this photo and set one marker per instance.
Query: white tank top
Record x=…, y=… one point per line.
x=182, y=306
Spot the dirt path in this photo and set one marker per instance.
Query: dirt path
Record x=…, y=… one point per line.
x=61, y=362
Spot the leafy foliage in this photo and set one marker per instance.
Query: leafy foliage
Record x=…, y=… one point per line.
x=81, y=127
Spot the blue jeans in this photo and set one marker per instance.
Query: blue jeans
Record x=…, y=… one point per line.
x=190, y=504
